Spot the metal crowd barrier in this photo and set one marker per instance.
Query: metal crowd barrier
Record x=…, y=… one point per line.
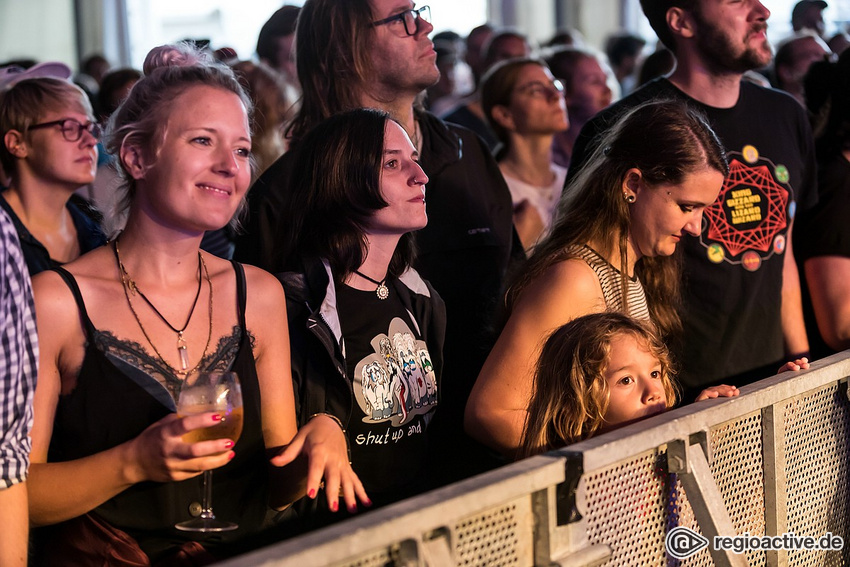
x=772, y=461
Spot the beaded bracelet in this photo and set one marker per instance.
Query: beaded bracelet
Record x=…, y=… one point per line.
x=341, y=426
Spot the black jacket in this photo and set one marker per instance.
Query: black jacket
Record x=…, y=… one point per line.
x=318, y=366
x=465, y=251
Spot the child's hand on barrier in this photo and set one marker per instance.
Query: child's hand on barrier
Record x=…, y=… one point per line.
x=721, y=391
x=799, y=364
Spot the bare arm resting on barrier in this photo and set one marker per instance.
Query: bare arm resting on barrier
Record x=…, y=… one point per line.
x=793, y=327
x=497, y=407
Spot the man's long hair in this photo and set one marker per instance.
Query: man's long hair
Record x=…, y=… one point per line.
x=332, y=56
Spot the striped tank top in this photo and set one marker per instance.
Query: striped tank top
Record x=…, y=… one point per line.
x=610, y=278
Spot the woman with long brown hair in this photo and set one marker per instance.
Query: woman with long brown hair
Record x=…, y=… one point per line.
x=610, y=249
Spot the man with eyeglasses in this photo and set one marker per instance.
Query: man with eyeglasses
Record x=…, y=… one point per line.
x=48, y=152
x=377, y=54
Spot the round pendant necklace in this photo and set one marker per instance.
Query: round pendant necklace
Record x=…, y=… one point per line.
x=383, y=291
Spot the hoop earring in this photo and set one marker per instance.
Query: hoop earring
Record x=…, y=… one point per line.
x=629, y=198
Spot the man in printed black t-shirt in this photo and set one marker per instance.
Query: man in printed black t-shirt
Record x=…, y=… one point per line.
x=741, y=307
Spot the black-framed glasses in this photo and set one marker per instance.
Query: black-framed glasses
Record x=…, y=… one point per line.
x=410, y=18
x=540, y=90
x=71, y=129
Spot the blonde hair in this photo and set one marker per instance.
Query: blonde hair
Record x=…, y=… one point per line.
x=23, y=105
x=141, y=119
x=570, y=395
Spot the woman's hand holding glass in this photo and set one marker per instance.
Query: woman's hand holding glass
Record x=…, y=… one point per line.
x=160, y=453
x=322, y=441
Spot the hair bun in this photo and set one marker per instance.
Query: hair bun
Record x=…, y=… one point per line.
x=174, y=55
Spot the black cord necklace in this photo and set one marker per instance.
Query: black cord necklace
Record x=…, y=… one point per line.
x=383, y=291
x=130, y=284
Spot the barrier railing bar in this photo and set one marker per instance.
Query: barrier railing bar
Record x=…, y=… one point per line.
x=690, y=463
x=775, y=481
x=423, y=526
x=410, y=518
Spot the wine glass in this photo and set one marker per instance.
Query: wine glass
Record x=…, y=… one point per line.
x=201, y=393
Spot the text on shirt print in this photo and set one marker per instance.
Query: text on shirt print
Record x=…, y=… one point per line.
x=747, y=223
x=397, y=381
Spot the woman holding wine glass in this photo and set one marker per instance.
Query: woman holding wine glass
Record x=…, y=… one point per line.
x=124, y=327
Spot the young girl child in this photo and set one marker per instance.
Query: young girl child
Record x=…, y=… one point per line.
x=600, y=372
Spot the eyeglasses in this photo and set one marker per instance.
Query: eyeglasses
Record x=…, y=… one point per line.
x=72, y=130
x=540, y=90
x=410, y=18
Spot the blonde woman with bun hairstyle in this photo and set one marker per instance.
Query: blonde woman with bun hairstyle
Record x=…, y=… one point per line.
x=124, y=326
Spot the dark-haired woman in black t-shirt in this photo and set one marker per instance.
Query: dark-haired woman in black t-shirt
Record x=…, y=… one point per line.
x=366, y=329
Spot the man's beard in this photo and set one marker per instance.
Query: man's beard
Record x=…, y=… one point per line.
x=719, y=54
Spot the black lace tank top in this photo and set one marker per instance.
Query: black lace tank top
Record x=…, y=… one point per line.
x=115, y=400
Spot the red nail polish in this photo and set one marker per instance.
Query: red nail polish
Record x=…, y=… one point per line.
x=232, y=454
x=228, y=445
x=334, y=506
x=352, y=509
x=312, y=493
x=216, y=417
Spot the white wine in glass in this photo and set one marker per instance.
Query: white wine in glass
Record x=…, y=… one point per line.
x=211, y=392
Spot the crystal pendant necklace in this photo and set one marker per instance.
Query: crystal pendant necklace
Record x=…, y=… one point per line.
x=383, y=291
x=182, y=350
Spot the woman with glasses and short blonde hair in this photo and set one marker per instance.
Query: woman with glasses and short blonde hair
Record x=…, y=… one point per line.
x=49, y=150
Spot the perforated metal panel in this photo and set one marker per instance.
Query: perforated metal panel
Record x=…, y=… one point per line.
x=381, y=558
x=738, y=470
x=680, y=513
x=632, y=505
x=817, y=433
x=501, y=536
x=625, y=509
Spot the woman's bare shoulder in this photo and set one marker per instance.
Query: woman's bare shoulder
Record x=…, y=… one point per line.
x=262, y=282
x=564, y=282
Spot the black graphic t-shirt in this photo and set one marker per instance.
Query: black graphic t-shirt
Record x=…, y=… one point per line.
x=395, y=391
